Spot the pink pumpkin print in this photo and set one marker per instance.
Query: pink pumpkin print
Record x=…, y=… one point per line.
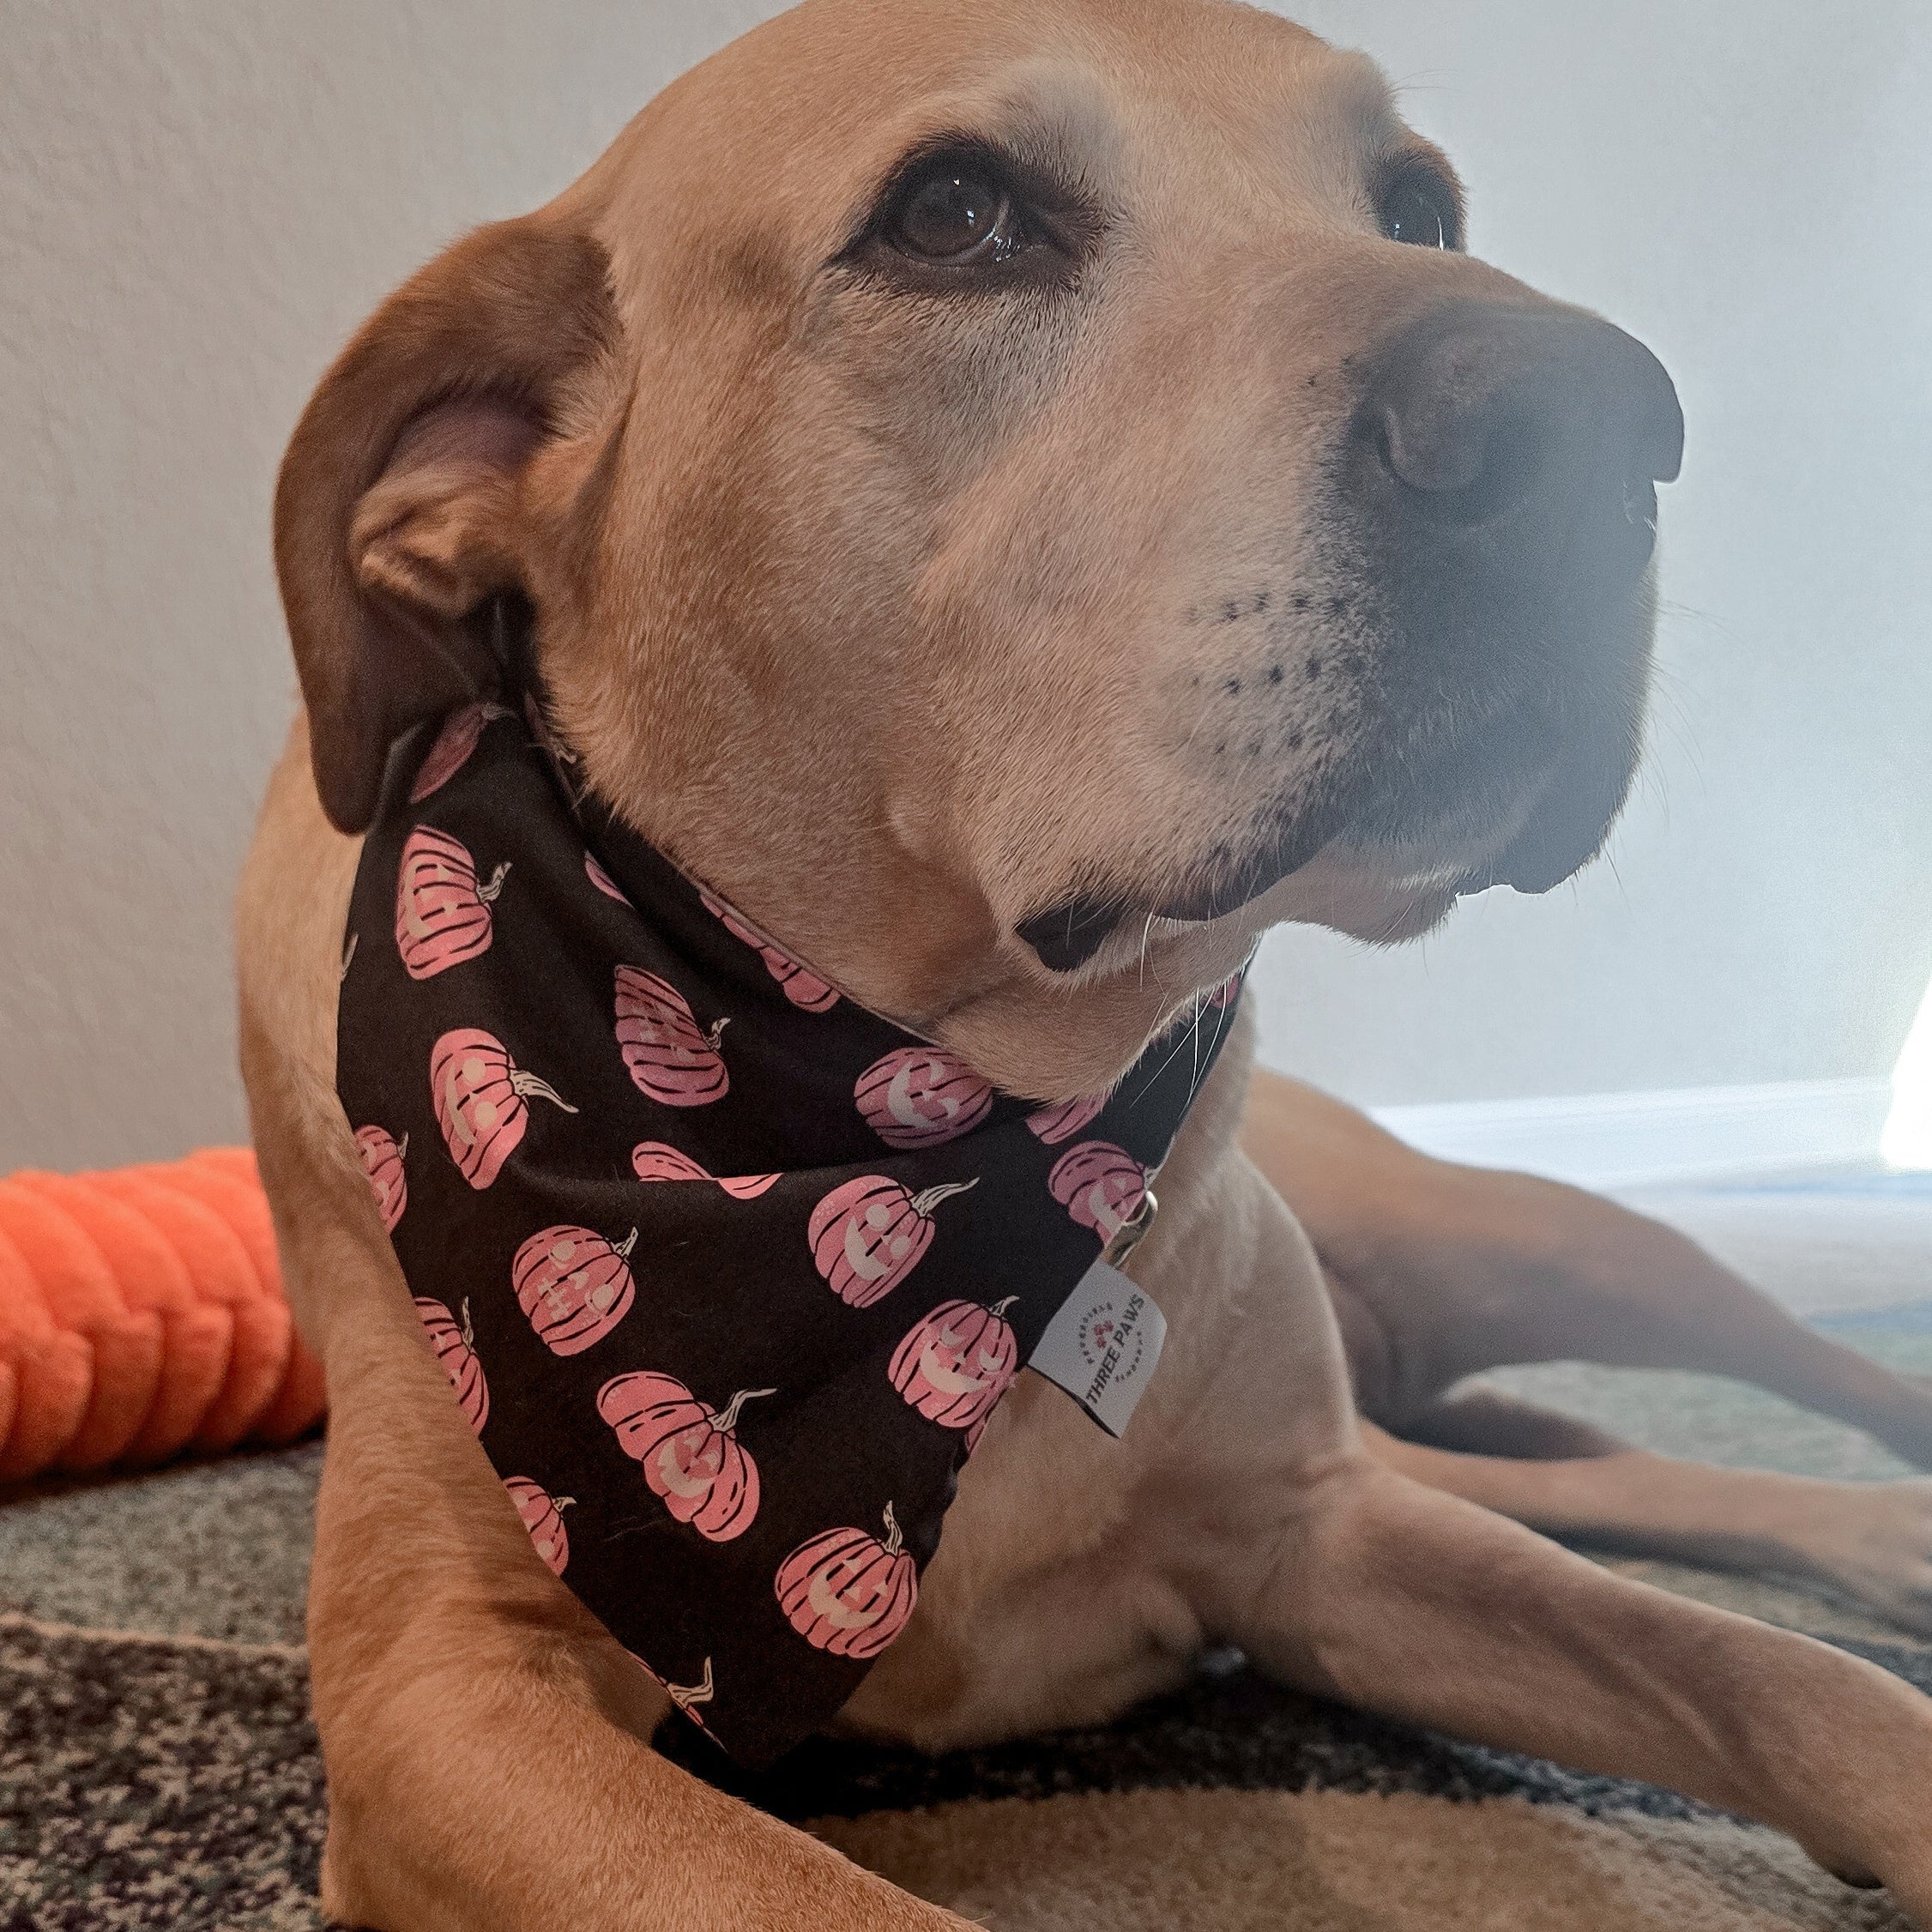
x=543, y=1517
x=382, y=1164
x=686, y=1696
x=574, y=1285
x=846, y=1592
x=798, y=983
x=690, y=1455
x=603, y=881
x=668, y=1058
x=478, y=1093
x=1056, y=1124
x=954, y=1365
x=456, y=1354
x=441, y=914
x=1101, y=1185
x=801, y=985
x=920, y=1096
x=1228, y=992
x=867, y=1235
x=651, y=1160
x=451, y=753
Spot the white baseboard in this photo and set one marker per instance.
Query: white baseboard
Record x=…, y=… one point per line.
x=1679, y=1134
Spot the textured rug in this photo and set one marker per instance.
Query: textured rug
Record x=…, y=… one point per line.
x=158, y=1767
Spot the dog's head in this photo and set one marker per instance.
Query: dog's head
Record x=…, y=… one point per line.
x=1018, y=498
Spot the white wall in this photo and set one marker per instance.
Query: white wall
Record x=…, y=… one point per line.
x=198, y=202
x=1750, y=189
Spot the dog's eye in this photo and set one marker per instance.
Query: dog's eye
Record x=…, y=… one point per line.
x=957, y=215
x=1419, y=206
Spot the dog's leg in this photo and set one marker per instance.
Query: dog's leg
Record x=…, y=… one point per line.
x=485, y=1739
x=1484, y=1422
x=1346, y=1577
x=1873, y=1541
x=1456, y=1270
x=1383, y=1593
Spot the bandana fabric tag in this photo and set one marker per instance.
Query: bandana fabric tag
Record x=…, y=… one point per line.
x=1103, y=1346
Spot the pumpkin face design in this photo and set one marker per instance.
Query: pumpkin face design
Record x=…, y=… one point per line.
x=543, y=1517
x=574, y=1285
x=1055, y=1123
x=456, y=1354
x=798, y=983
x=869, y=1234
x=451, y=753
x=479, y=1093
x=847, y=1592
x=954, y=1365
x=666, y=1056
x=1101, y=1185
x=651, y=1160
x=602, y=881
x=921, y=1097
x=382, y=1165
x=690, y=1452
x=441, y=914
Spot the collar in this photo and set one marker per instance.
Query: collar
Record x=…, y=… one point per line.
x=726, y=1272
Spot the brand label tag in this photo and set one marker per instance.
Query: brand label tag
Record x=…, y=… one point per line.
x=1103, y=1346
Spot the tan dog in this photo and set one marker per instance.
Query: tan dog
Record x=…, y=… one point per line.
x=996, y=498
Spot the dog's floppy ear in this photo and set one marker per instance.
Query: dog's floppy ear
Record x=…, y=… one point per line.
x=397, y=512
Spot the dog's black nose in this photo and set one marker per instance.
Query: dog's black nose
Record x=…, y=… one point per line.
x=1520, y=442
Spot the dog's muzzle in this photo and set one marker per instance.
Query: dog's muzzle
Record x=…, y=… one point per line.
x=1495, y=494
x=1501, y=473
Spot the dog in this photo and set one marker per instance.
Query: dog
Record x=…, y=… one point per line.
x=1020, y=499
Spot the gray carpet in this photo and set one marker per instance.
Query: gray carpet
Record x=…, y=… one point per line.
x=157, y=1767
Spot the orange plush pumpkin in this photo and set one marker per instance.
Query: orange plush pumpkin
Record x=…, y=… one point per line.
x=141, y=1314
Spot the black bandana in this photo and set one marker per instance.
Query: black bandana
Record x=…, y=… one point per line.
x=726, y=1272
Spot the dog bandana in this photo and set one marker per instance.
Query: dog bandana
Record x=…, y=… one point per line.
x=726, y=1272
